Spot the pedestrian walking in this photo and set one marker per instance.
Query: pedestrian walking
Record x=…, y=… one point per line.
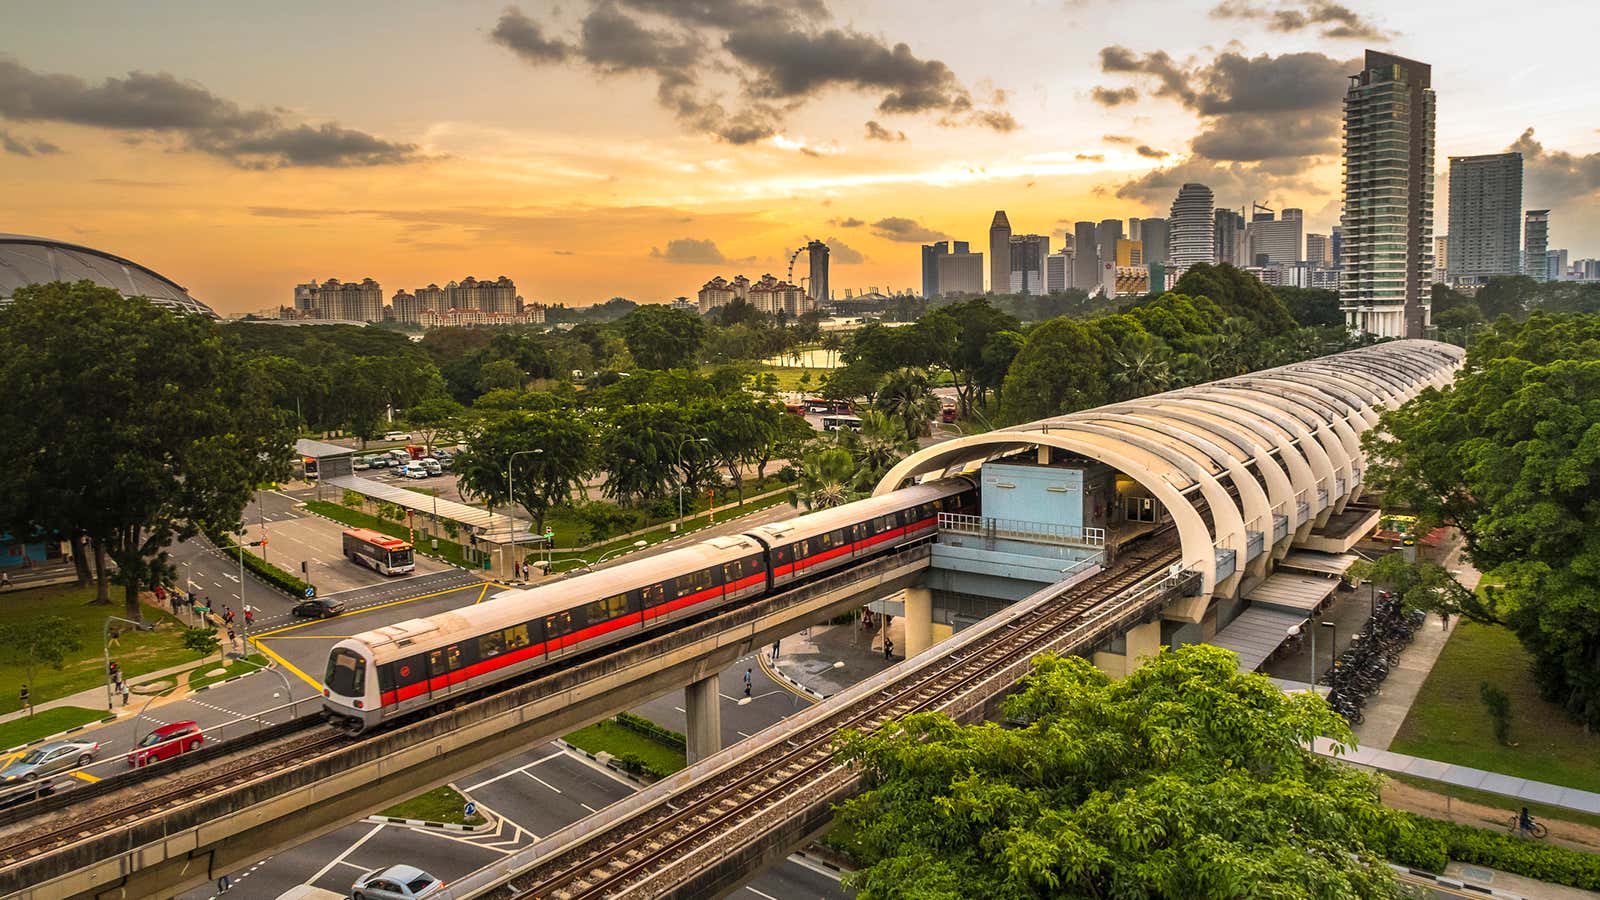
x=1444, y=619
x=125, y=692
x=5, y=580
x=227, y=614
x=888, y=648
x=747, y=682
x=249, y=617
x=775, y=649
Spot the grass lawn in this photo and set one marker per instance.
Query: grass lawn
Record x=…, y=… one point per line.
x=1448, y=722
x=789, y=377
x=562, y=562
x=137, y=652
x=609, y=737
x=255, y=662
x=442, y=804
x=45, y=723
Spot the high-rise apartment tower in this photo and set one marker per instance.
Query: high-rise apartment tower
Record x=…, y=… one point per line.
x=1536, y=240
x=1191, y=238
x=1485, y=237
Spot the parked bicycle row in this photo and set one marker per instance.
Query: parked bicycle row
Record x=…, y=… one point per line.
x=1363, y=666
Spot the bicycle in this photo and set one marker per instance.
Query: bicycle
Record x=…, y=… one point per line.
x=1535, y=829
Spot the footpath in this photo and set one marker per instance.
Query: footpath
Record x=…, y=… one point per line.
x=825, y=659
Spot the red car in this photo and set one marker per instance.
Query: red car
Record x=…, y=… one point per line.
x=166, y=742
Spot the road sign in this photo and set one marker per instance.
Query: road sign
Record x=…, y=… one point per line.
x=310, y=592
x=471, y=809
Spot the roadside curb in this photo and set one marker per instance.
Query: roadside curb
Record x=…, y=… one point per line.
x=491, y=819
x=60, y=734
x=604, y=759
x=230, y=679
x=1456, y=883
x=781, y=677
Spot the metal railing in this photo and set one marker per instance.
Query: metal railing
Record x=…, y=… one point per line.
x=1021, y=530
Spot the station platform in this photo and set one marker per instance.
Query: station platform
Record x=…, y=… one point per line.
x=826, y=659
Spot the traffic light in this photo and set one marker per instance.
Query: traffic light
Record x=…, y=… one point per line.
x=303, y=570
x=113, y=670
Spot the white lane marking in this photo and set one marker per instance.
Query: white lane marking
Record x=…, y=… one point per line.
x=603, y=770
x=678, y=708
x=543, y=782
x=588, y=807
x=820, y=870
x=758, y=893
x=348, y=850
x=470, y=788
x=741, y=734
x=232, y=578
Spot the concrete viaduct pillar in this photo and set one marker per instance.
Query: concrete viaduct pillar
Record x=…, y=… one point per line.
x=703, y=706
x=918, y=620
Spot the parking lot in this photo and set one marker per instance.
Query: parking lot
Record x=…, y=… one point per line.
x=295, y=536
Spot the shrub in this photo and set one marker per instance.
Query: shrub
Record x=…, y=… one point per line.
x=1499, y=706
x=352, y=499
x=264, y=570
x=1430, y=842
x=651, y=730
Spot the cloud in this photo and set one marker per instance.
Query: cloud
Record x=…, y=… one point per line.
x=525, y=37
x=691, y=251
x=26, y=146
x=1114, y=96
x=1091, y=157
x=851, y=222
x=844, y=255
x=564, y=252
x=1233, y=181
x=1118, y=139
x=1150, y=152
x=1555, y=175
x=876, y=132
x=908, y=231
x=778, y=53
x=145, y=103
x=1335, y=21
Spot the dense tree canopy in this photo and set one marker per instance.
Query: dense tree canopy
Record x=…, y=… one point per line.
x=660, y=337
x=129, y=424
x=1059, y=369
x=1510, y=454
x=1185, y=779
x=1237, y=293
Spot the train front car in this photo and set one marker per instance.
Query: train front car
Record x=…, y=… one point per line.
x=821, y=541
x=350, y=687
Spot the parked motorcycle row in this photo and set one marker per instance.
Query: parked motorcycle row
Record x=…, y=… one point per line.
x=1361, y=668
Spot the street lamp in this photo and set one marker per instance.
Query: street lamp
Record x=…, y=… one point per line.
x=684, y=443
x=636, y=545
x=105, y=634
x=511, y=495
x=288, y=694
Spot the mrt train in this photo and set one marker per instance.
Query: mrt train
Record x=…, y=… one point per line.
x=378, y=675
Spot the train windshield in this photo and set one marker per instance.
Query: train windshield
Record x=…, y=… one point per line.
x=346, y=674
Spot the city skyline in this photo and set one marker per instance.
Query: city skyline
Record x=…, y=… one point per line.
x=264, y=171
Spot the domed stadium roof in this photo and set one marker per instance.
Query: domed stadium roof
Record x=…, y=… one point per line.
x=32, y=260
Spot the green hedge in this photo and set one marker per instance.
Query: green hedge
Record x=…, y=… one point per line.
x=271, y=574
x=1430, y=843
x=653, y=731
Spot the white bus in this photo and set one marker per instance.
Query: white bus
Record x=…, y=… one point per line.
x=377, y=551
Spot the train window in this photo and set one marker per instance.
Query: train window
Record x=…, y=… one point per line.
x=654, y=595
x=491, y=644
x=516, y=637
x=802, y=549
x=452, y=656
x=732, y=572
x=557, y=625
x=608, y=608
x=436, y=662
x=694, y=582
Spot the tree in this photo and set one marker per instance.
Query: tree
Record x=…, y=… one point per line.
x=203, y=641
x=660, y=337
x=562, y=458
x=434, y=415
x=1057, y=371
x=907, y=397
x=880, y=443
x=500, y=375
x=639, y=451
x=741, y=430
x=40, y=641
x=851, y=382
x=116, y=438
x=1238, y=294
x=975, y=325
x=1142, y=365
x=1185, y=779
x=1510, y=455
x=827, y=478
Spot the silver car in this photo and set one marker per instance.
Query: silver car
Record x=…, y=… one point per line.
x=395, y=883
x=49, y=759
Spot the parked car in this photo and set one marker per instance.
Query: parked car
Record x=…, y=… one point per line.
x=447, y=463
x=360, y=463
x=398, y=436
x=438, y=453
x=395, y=883
x=378, y=462
x=416, y=470
x=432, y=465
x=166, y=742
x=319, y=608
x=49, y=759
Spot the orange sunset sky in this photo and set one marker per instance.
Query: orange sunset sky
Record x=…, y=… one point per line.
x=638, y=147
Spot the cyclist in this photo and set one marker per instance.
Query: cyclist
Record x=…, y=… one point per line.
x=1524, y=822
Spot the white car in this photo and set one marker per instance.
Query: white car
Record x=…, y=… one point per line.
x=398, y=436
x=415, y=470
x=396, y=883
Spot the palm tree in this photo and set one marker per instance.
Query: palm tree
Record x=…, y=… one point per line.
x=877, y=447
x=907, y=397
x=827, y=478
x=1142, y=366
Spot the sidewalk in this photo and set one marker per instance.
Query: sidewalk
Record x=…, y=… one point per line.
x=825, y=659
x=95, y=697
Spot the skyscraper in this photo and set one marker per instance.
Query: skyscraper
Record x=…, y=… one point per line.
x=1274, y=242
x=817, y=253
x=1319, y=252
x=1228, y=236
x=1058, y=272
x=1536, y=240
x=1086, y=259
x=1153, y=234
x=1107, y=233
x=1191, y=235
x=930, y=267
x=1028, y=253
x=1337, y=239
x=1130, y=253
x=1388, y=196
x=999, y=253
x=1485, y=217
x=961, y=272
